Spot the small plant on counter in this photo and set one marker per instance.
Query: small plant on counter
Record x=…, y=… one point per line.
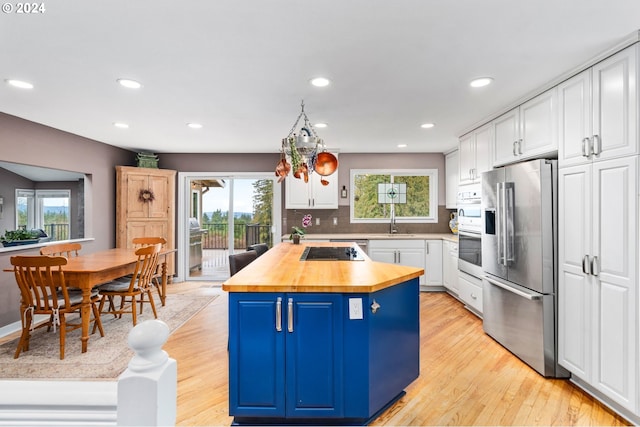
x=296, y=231
x=19, y=237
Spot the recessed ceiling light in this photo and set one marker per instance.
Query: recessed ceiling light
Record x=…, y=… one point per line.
x=320, y=125
x=402, y=145
x=320, y=82
x=427, y=125
x=121, y=125
x=128, y=83
x=19, y=83
x=194, y=125
x=480, y=82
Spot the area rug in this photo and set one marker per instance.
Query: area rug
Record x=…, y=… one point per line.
x=106, y=357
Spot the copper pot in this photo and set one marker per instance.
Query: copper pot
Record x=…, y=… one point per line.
x=326, y=163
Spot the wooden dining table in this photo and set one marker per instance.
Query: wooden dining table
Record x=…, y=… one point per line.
x=88, y=270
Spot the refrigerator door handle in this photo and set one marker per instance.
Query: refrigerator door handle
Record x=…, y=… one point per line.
x=499, y=219
x=509, y=245
x=523, y=294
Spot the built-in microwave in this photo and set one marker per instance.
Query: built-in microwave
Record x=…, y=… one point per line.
x=469, y=210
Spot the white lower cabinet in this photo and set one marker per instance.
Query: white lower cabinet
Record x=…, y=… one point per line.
x=404, y=252
x=470, y=292
x=433, y=263
x=450, y=266
x=598, y=328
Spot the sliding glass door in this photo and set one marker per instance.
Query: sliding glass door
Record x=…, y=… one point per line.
x=227, y=214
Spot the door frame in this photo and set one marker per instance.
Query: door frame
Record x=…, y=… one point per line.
x=184, y=195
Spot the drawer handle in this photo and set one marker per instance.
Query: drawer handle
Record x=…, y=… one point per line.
x=279, y=314
x=290, y=315
x=529, y=296
x=473, y=296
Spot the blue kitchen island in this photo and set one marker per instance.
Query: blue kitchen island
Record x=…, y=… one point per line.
x=320, y=341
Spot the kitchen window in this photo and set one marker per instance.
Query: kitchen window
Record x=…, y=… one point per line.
x=420, y=206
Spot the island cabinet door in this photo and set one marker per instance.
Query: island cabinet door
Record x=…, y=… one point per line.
x=256, y=355
x=314, y=355
x=285, y=355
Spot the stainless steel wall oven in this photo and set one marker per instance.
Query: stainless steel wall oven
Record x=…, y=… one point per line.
x=470, y=230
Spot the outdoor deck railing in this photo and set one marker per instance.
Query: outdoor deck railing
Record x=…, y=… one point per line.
x=57, y=231
x=244, y=235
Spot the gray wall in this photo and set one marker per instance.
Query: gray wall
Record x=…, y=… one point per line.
x=22, y=141
x=8, y=183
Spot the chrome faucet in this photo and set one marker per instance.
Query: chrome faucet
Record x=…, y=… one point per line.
x=392, y=224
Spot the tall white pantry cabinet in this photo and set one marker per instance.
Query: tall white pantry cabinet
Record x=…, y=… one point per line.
x=598, y=297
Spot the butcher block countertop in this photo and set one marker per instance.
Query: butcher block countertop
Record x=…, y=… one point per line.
x=280, y=270
x=378, y=236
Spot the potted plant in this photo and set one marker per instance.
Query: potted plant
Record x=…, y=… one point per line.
x=296, y=234
x=19, y=237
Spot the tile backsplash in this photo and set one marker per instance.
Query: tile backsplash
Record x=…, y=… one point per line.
x=326, y=217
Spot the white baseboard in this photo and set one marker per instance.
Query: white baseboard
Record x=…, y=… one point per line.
x=17, y=326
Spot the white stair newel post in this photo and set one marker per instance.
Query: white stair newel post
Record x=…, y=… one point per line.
x=147, y=389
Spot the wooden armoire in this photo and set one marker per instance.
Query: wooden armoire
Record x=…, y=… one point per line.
x=145, y=206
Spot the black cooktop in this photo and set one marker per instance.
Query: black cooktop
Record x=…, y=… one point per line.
x=331, y=253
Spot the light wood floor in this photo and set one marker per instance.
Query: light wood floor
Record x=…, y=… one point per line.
x=466, y=377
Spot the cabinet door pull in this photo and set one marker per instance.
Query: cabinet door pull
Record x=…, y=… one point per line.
x=585, y=265
x=520, y=146
x=514, y=148
x=585, y=147
x=596, y=146
x=595, y=267
x=290, y=315
x=279, y=314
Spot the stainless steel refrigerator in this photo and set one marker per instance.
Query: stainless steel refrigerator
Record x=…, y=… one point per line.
x=520, y=262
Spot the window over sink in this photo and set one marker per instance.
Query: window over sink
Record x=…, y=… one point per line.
x=421, y=196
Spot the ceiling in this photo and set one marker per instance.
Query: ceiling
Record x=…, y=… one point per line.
x=35, y=173
x=241, y=67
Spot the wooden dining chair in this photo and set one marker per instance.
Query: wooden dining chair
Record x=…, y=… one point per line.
x=133, y=292
x=156, y=279
x=43, y=290
x=62, y=249
x=240, y=260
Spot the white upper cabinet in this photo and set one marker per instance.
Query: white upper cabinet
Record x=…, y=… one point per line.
x=474, y=155
x=451, y=171
x=527, y=131
x=312, y=194
x=597, y=111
